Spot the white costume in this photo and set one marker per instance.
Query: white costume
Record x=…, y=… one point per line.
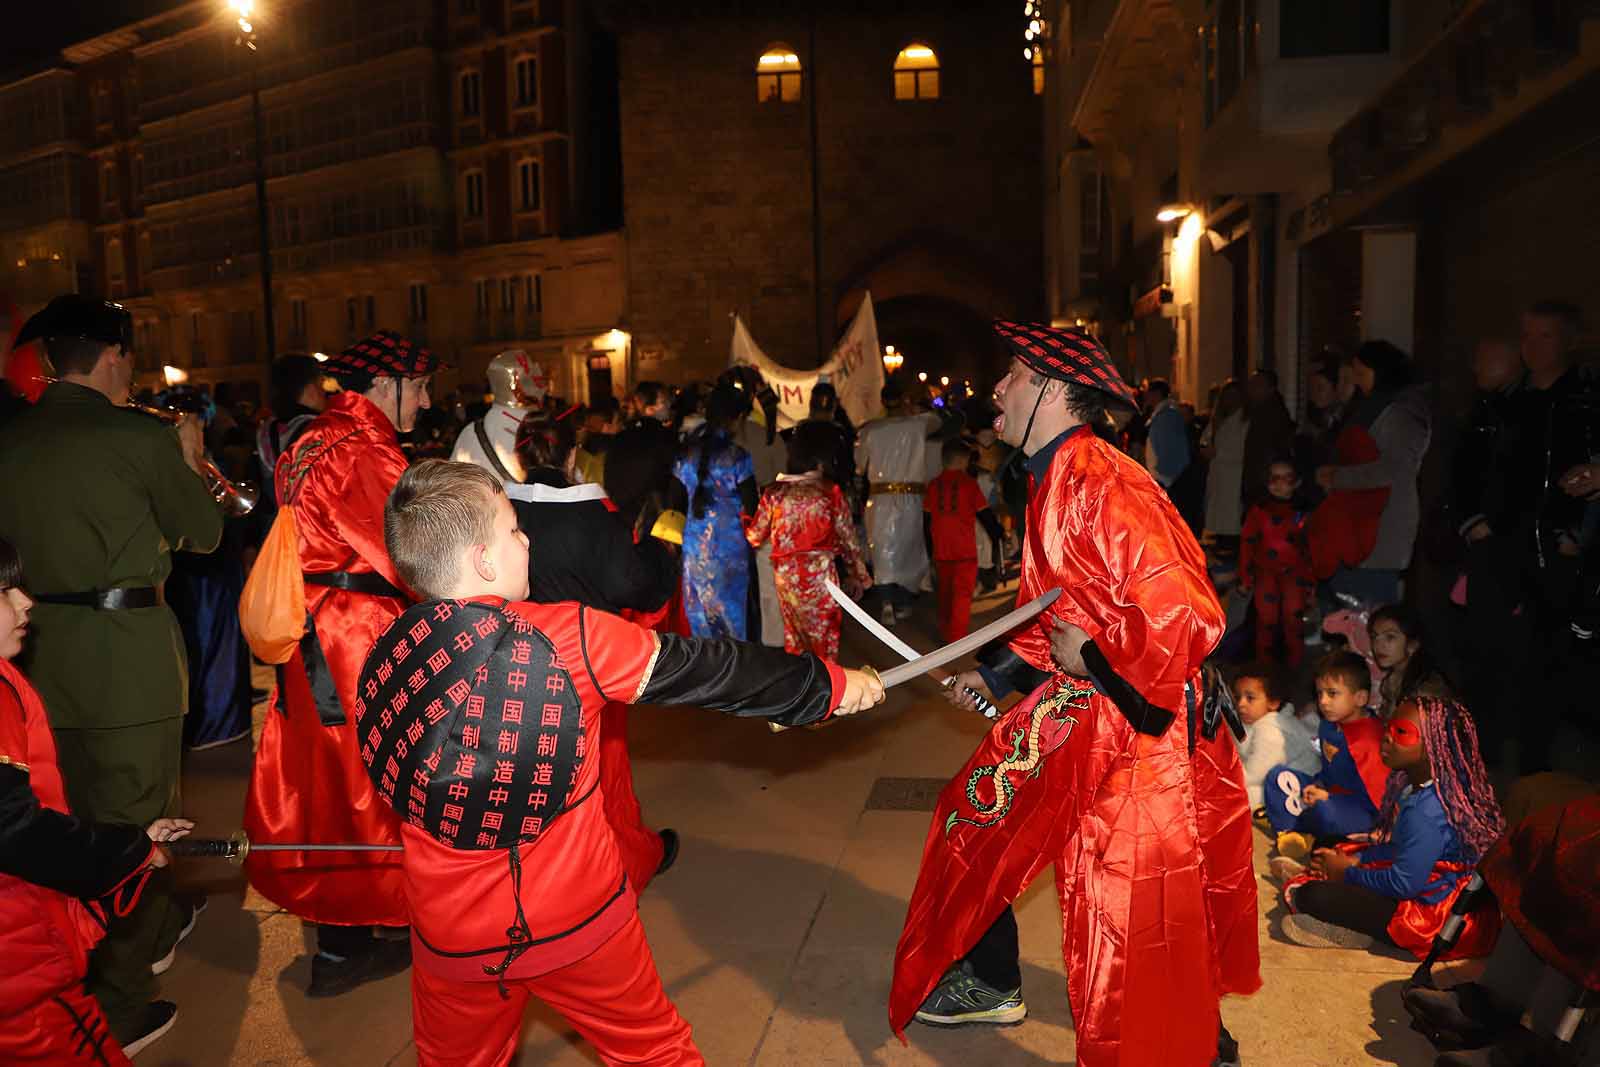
x=1277, y=738
x=500, y=427
x=893, y=453
x=518, y=384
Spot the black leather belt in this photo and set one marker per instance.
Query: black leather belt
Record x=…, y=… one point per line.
x=371, y=583
x=142, y=596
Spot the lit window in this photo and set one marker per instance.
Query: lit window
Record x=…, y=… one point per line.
x=528, y=176
x=473, y=183
x=1038, y=71
x=778, y=75
x=916, y=73
x=527, y=81
x=471, y=94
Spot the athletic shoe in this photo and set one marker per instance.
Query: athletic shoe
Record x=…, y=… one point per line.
x=333, y=975
x=1283, y=869
x=886, y=616
x=1296, y=846
x=669, y=850
x=158, y=1017
x=196, y=906
x=961, y=998
x=1314, y=933
x=1227, y=1049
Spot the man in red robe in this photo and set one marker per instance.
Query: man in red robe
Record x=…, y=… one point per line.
x=1112, y=769
x=309, y=783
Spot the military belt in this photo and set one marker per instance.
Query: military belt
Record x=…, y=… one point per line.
x=879, y=488
x=371, y=583
x=142, y=596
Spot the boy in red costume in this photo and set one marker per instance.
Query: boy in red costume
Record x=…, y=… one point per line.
x=308, y=783
x=61, y=879
x=478, y=714
x=953, y=503
x=1112, y=769
x=1275, y=565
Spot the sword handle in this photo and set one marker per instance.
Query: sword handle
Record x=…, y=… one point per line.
x=986, y=707
x=233, y=848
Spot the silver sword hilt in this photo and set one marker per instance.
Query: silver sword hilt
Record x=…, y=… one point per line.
x=985, y=706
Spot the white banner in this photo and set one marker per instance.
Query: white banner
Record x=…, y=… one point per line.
x=855, y=370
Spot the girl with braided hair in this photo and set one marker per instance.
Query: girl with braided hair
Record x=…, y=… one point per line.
x=1439, y=817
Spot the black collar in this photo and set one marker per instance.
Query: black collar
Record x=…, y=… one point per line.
x=1039, y=463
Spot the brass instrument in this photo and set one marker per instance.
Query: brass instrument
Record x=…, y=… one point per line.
x=236, y=499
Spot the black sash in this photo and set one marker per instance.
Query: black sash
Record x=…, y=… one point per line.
x=488, y=450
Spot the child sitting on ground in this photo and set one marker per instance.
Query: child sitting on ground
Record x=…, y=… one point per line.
x=952, y=503
x=807, y=520
x=1398, y=652
x=1275, y=565
x=1273, y=734
x=1343, y=797
x=1439, y=818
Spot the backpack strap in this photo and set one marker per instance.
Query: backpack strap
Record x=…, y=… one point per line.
x=488, y=450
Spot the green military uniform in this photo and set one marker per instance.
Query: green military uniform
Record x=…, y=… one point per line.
x=94, y=498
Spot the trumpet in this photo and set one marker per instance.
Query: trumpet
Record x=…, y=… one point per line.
x=235, y=498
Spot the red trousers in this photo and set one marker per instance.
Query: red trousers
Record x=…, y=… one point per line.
x=613, y=998
x=641, y=846
x=1280, y=600
x=956, y=581
x=68, y=1030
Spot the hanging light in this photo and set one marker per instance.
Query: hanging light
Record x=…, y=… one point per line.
x=1027, y=34
x=1034, y=25
x=1027, y=53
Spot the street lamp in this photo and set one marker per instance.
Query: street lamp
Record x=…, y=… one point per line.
x=892, y=360
x=944, y=381
x=922, y=376
x=247, y=39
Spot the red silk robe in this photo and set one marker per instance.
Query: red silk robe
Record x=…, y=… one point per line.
x=1150, y=842
x=308, y=783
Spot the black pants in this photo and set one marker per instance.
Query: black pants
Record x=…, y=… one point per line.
x=347, y=941
x=1350, y=906
x=994, y=958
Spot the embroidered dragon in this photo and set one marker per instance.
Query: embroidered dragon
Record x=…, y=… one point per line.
x=1048, y=727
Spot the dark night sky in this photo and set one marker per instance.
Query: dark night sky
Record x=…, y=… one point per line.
x=39, y=29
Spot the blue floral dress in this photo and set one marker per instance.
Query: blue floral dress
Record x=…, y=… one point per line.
x=716, y=557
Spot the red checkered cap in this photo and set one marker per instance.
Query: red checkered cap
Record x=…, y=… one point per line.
x=385, y=354
x=1065, y=353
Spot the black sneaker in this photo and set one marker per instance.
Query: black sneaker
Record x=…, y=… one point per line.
x=961, y=998
x=196, y=905
x=1227, y=1049
x=158, y=1017
x=669, y=850
x=334, y=975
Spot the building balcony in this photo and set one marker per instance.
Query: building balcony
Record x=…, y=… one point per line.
x=1500, y=57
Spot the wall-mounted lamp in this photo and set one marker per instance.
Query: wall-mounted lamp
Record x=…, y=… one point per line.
x=1174, y=212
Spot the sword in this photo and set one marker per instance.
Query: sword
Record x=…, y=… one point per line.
x=237, y=846
x=956, y=649
x=900, y=648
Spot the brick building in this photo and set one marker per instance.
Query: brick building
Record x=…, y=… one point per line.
x=427, y=168
x=779, y=160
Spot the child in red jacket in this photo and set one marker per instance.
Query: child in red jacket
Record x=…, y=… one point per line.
x=1275, y=565
x=61, y=879
x=478, y=716
x=807, y=521
x=953, y=503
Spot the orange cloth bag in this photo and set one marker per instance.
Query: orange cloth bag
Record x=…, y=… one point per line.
x=272, y=608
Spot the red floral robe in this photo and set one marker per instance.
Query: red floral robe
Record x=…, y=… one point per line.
x=808, y=523
x=309, y=783
x=1150, y=839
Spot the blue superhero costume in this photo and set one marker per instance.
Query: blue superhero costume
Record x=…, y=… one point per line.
x=1352, y=773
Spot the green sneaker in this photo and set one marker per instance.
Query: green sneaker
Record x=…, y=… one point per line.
x=961, y=998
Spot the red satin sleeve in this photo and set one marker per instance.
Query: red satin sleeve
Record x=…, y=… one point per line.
x=359, y=518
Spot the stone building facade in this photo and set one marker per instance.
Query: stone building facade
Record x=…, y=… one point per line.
x=426, y=172
x=785, y=203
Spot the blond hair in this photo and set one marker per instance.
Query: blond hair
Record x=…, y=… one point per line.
x=437, y=509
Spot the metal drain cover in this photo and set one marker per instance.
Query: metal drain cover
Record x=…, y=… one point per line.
x=905, y=794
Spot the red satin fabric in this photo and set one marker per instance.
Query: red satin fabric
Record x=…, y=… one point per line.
x=1343, y=531
x=641, y=847
x=1543, y=874
x=308, y=783
x=612, y=997
x=1416, y=922
x=1151, y=844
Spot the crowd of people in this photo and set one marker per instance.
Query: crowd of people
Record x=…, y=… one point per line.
x=1232, y=605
